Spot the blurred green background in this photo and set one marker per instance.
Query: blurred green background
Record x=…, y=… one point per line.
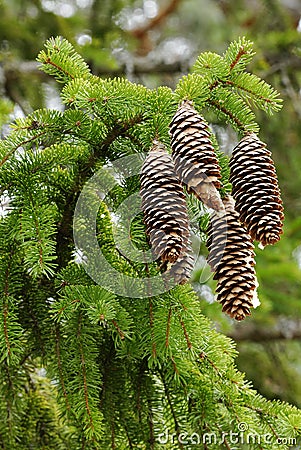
x=154, y=42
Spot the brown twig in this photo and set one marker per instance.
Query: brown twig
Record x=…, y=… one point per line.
x=142, y=33
x=189, y=344
x=119, y=330
x=228, y=113
x=157, y=20
x=59, y=68
x=240, y=53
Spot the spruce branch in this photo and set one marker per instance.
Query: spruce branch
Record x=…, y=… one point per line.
x=60, y=366
x=234, y=110
x=84, y=375
x=257, y=91
x=120, y=332
x=37, y=232
x=62, y=61
x=5, y=328
x=15, y=145
x=227, y=72
x=125, y=368
x=151, y=323
x=239, y=54
x=188, y=342
x=11, y=332
x=168, y=327
x=171, y=406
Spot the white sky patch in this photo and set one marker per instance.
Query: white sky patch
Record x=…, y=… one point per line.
x=175, y=49
x=62, y=8
x=129, y=19
x=84, y=3
x=66, y=10
x=255, y=299
x=297, y=255
x=83, y=39
x=206, y=293
x=150, y=9
x=79, y=257
x=4, y=204
x=115, y=218
x=52, y=98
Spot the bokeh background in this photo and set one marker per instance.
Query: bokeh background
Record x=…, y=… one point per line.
x=154, y=42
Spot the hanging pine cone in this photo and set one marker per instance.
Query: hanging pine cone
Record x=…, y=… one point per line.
x=164, y=206
x=231, y=257
x=180, y=271
x=193, y=153
x=255, y=190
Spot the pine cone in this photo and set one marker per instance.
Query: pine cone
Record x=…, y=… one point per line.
x=193, y=153
x=256, y=191
x=231, y=257
x=164, y=206
x=180, y=271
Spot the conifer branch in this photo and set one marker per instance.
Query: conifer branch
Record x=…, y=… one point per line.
x=238, y=56
x=20, y=144
x=151, y=323
x=6, y=157
x=112, y=354
x=60, y=366
x=273, y=430
x=128, y=438
x=8, y=401
x=84, y=373
x=62, y=61
x=113, y=444
x=171, y=407
x=174, y=365
x=37, y=329
x=150, y=420
x=240, y=125
x=5, y=326
x=63, y=308
x=225, y=441
x=138, y=392
x=39, y=240
x=5, y=304
x=249, y=91
x=120, y=332
x=168, y=327
x=189, y=344
x=105, y=376
x=58, y=68
x=119, y=130
x=203, y=355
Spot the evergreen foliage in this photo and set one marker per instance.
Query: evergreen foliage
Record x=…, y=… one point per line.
x=145, y=373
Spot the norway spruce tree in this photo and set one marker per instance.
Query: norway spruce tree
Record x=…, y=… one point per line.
x=103, y=341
